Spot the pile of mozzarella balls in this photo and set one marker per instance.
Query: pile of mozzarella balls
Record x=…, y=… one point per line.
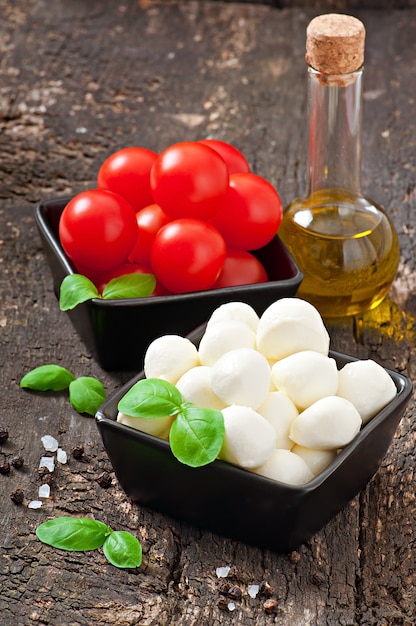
x=287, y=408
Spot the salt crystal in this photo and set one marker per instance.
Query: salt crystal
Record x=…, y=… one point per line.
x=222, y=572
x=48, y=462
x=34, y=504
x=44, y=491
x=253, y=590
x=61, y=456
x=49, y=443
x=231, y=606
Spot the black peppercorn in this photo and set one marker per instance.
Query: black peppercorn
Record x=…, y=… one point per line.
x=17, y=461
x=234, y=593
x=104, y=480
x=17, y=496
x=270, y=606
x=294, y=557
x=77, y=451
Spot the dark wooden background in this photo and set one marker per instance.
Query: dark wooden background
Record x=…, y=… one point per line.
x=79, y=80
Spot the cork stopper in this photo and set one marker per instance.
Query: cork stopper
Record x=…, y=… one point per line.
x=335, y=44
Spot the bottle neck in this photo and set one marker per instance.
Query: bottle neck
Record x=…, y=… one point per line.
x=335, y=113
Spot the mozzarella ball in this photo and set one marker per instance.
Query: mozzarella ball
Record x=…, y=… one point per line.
x=170, y=356
x=239, y=311
x=280, y=411
x=249, y=438
x=195, y=387
x=367, y=385
x=286, y=467
x=241, y=377
x=316, y=460
x=158, y=426
x=291, y=325
x=306, y=377
x=223, y=337
x=328, y=424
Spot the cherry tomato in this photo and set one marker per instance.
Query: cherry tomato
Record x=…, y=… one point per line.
x=149, y=220
x=121, y=270
x=251, y=213
x=127, y=172
x=98, y=229
x=235, y=160
x=187, y=255
x=189, y=179
x=240, y=268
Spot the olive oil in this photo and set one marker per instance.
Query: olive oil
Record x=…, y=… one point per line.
x=344, y=243
x=346, y=248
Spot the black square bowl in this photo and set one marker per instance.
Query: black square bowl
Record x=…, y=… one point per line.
x=117, y=332
x=234, y=502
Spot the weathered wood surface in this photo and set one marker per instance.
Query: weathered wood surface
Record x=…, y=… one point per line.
x=77, y=81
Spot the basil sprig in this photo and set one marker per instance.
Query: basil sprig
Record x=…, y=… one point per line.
x=76, y=288
x=81, y=534
x=86, y=394
x=196, y=435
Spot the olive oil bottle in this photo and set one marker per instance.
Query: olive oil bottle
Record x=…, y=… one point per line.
x=344, y=243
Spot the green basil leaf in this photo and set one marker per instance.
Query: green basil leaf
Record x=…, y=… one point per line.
x=129, y=286
x=151, y=397
x=86, y=394
x=47, y=378
x=122, y=549
x=196, y=436
x=73, y=533
x=76, y=289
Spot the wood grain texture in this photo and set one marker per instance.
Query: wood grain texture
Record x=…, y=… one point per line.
x=77, y=81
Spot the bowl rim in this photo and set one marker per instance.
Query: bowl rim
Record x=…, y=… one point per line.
x=47, y=231
x=403, y=385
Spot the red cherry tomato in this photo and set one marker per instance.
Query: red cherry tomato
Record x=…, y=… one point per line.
x=127, y=172
x=240, y=268
x=251, y=213
x=187, y=255
x=189, y=179
x=149, y=220
x=98, y=230
x=93, y=275
x=235, y=160
x=121, y=270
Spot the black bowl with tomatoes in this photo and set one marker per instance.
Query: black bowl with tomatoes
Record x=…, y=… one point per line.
x=117, y=332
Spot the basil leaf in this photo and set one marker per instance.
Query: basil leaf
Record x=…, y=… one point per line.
x=47, y=378
x=86, y=394
x=76, y=289
x=196, y=436
x=151, y=397
x=73, y=533
x=122, y=549
x=129, y=286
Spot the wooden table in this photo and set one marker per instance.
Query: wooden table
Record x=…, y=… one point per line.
x=79, y=80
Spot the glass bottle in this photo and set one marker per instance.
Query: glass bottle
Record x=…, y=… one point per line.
x=344, y=243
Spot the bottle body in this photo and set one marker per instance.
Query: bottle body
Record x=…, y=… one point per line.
x=344, y=244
